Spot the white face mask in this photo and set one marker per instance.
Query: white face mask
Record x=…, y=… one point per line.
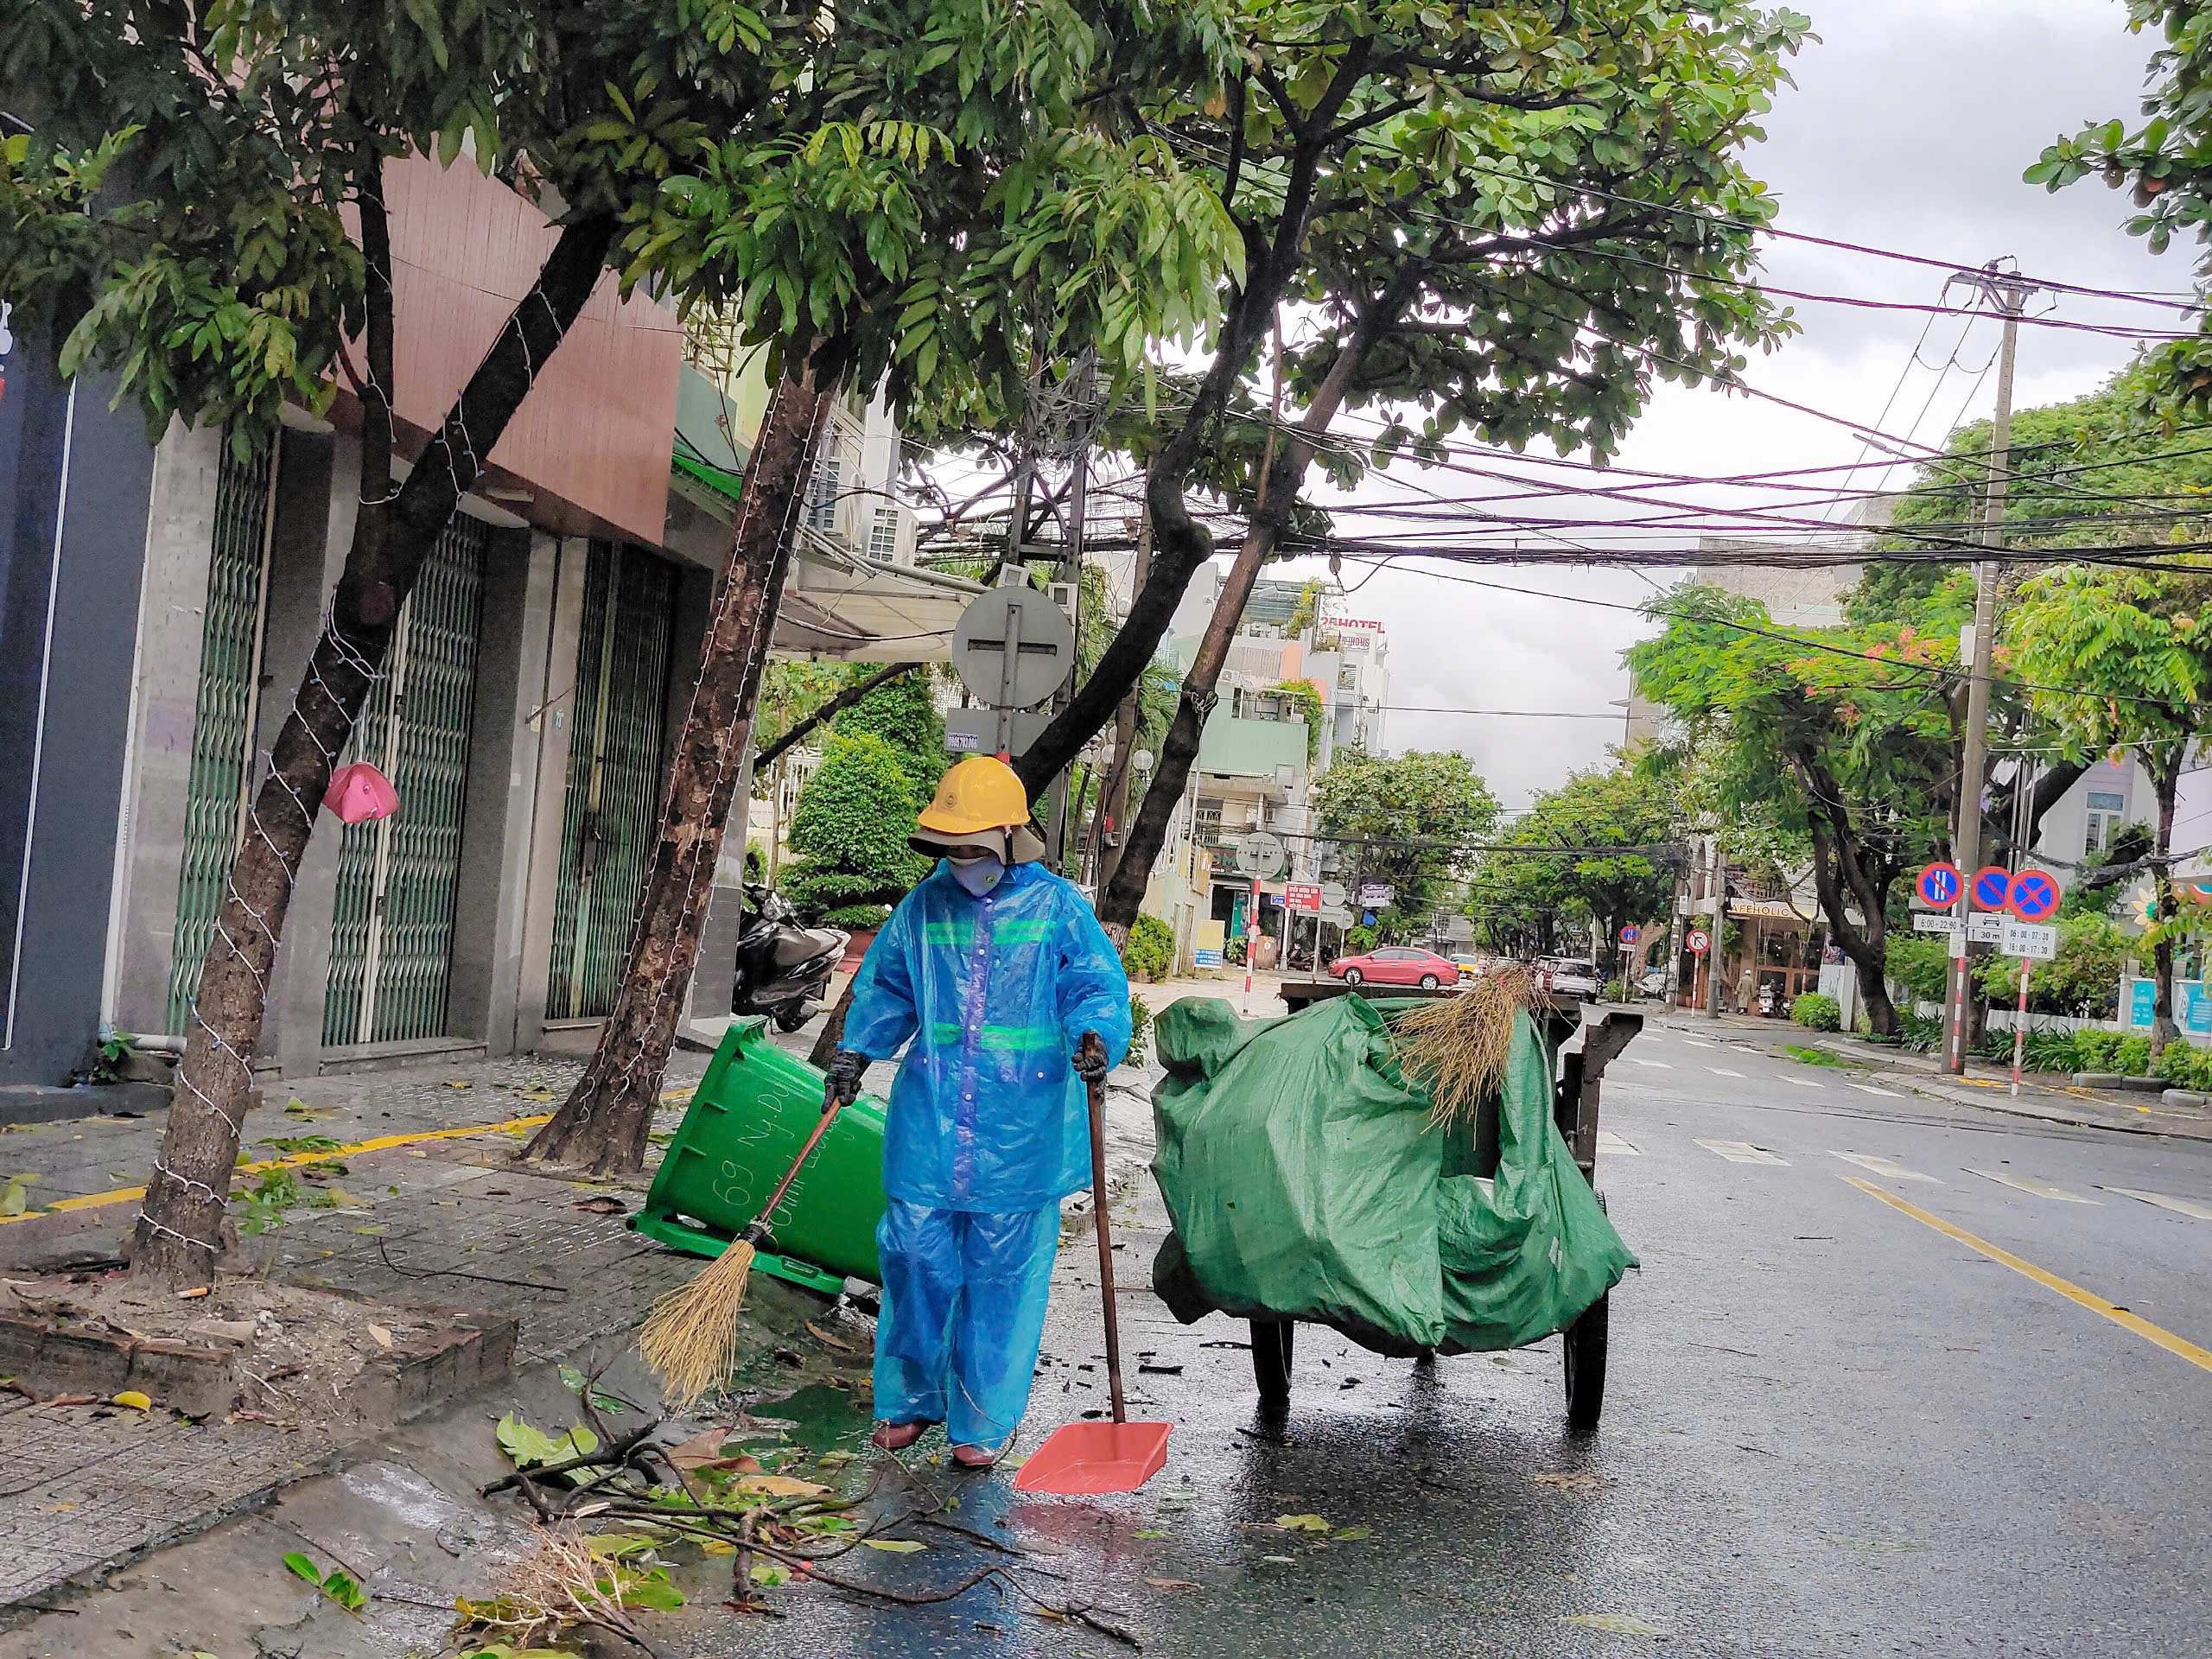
x=978, y=874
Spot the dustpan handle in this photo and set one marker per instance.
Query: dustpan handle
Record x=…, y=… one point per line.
x=1097, y=1093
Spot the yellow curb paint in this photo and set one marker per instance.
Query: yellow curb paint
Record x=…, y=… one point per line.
x=381, y=1143
x=2155, y=1335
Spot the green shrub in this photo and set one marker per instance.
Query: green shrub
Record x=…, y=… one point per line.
x=1817, y=1013
x=2096, y=1051
x=1150, y=953
x=2134, y=1057
x=849, y=835
x=2083, y=980
x=2185, y=1067
x=1614, y=992
x=1922, y=1033
x=1919, y=962
x=1139, y=1030
x=2058, y=1050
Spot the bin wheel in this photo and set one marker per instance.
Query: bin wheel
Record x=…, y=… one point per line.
x=1586, y=1366
x=1428, y=982
x=1353, y=976
x=791, y=1018
x=1271, y=1350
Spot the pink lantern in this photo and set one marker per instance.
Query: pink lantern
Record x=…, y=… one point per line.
x=359, y=793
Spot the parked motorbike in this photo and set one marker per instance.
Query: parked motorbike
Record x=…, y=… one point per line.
x=1770, y=1000
x=783, y=969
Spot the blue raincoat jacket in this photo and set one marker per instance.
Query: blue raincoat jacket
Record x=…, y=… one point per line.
x=988, y=1113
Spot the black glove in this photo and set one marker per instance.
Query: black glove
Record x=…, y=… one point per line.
x=1090, y=1060
x=845, y=1071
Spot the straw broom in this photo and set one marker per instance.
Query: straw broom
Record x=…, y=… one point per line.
x=690, y=1336
x=1457, y=1047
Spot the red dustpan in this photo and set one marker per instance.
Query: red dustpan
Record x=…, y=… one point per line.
x=1085, y=1458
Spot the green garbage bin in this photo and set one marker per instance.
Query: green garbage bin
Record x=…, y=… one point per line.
x=752, y=1113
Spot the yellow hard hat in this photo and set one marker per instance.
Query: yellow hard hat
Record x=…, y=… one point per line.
x=981, y=793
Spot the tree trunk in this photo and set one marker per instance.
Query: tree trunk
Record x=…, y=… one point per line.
x=1280, y=477
x=1839, y=863
x=1114, y=805
x=604, y=1123
x=2166, y=785
x=833, y=1028
x=181, y=1221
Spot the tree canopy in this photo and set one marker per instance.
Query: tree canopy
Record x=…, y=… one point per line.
x=1407, y=821
x=1521, y=902
x=849, y=832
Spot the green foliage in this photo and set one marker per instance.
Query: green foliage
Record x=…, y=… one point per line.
x=1817, y=1013
x=2083, y=980
x=1150, y=953
x=1140, y=1028
x=1307, y=611
x=903, y=714
x=1920, y=962
x=1919, y=1033
x=1805, y=1056
x=337, y=1584
x=849, y=833
x=1521, y=901
x=1309, y=699
x=2133, y=1057
x=1419, y=797
x=2166, y=163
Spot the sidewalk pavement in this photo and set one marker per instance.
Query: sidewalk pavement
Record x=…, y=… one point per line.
x=2052, y=1099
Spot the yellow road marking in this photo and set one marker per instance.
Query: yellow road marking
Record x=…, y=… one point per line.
x=2158, y=1337
x=381, y=1143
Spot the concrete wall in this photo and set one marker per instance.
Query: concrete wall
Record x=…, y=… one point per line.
x=74, y=478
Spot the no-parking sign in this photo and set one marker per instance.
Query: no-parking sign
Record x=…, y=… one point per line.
x=1630, y=934
x=2035, y=896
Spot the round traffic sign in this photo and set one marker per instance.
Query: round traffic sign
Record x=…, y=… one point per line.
x=1260, y=855
x=2035, y=896
x=1938, y=885
x=1013, y=647
x=1333, y=894
x=1630, y=934
x=1992, y=887
x=1700, y=941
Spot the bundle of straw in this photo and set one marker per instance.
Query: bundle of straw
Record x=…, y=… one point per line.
x=1457, y=1047
x=690, y=1336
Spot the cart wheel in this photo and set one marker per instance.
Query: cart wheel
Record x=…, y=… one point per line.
x=1586, y=1366
x=1271, y=1349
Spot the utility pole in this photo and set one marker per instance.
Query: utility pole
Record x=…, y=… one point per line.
x=2009, y=293
x=1717, y=930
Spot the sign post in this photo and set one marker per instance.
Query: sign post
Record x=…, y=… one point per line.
x=1700, y=942
x=1258, y=855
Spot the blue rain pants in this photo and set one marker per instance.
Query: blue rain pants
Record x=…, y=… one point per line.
x=963, y=1312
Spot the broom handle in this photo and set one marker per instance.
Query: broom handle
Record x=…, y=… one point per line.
x=1098, y=1092
x=829, y=1105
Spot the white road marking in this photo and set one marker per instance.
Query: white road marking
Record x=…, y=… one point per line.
x=1802, y=1083
x=1694, y=1043
x=1888, y=1169
x=2031, y=1187
x=1723, y=1072
x=2167, y=1201
x=1657, y=1065
x=1742, y=1151
x=1869, y=1088
x=1611, y=1146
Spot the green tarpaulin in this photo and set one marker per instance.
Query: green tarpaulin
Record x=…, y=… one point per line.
x=1305, y=1180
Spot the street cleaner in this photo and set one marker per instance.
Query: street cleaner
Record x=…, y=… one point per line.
x=993, y=971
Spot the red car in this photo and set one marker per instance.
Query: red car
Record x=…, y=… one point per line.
x=1398, y=965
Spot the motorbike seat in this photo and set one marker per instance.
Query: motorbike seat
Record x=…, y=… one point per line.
x=803, y=945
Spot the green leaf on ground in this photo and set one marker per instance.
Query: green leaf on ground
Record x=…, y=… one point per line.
x=18, y=1197
x=1150, y=1533
x=1350, y=1534
x=305, y=1567
x=771, y=1573
x=895, y=1546
x=302, y=1142
x=527, y=1446
x=1301, y=1524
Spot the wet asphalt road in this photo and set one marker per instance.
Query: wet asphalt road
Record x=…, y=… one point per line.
x=1831, y=1428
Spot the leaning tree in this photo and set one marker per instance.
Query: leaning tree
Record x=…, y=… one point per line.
x=1508, y=221
x=177, y=211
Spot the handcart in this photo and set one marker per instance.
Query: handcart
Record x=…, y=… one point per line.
x=1575, y=1100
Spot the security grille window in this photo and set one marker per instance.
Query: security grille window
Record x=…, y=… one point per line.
x=1207, y=821
x=613, y=806
x=217, y=791
x=883, y=536
x=822, y=494
x=391, y=933
x=2107, y=813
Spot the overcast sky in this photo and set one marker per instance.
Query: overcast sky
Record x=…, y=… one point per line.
x=1908, y=129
